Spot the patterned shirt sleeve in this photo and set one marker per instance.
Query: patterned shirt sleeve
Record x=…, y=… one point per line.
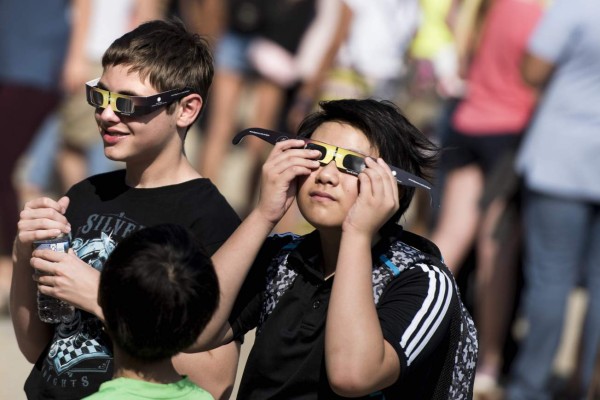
x=415, y=313
x=246, y=310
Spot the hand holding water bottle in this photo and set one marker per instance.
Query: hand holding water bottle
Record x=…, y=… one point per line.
x=50, y=309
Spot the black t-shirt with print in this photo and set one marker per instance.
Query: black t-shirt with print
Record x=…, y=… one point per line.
x=103, y=210
x=286, y=297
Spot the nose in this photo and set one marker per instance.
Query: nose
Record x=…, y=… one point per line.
x=107, y=115
x=328, y=174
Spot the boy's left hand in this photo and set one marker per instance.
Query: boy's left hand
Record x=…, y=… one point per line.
x=66, y=277
x=377, y=199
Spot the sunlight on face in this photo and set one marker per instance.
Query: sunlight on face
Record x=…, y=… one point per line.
x=133, y=139
x=327, y=194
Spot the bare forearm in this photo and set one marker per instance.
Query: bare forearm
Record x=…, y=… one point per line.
x=536, y=71
x=80, y=21
x=76, y=65
x=232, y=262
x=147, y=10
x=213, y=370
x=352, y=313
x=31, y=333
x=235, y=257
x=364, y=366
x=327, y=62
x=206, y=17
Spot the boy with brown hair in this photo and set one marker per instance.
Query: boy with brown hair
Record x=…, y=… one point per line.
x=153, y=88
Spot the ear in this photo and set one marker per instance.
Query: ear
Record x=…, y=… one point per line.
x=188, y=109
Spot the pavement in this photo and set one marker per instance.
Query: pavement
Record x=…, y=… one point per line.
x=14, y=369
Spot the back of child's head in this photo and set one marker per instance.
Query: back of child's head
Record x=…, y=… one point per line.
x=165, y=53
x=158, y=290
x=398, y=142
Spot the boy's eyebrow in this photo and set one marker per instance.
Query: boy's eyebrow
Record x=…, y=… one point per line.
x=128, y=93
x=100, y=85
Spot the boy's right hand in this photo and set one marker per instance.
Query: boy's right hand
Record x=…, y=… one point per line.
x=42, y=218
x=287, y=161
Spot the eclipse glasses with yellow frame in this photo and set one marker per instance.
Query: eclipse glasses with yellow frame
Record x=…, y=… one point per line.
x=131, y=106
x=347, y=161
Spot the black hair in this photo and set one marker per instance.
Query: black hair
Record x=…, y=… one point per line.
x=158, y=290
x=397, y=140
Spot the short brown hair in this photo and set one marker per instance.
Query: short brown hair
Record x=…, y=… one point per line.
x=167, y=54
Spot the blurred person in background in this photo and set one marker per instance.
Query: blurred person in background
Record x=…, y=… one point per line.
x=432, y=88
x=433, y=76
x=35, y=38
x=317, y=55
x=314, y=62
x=364, y=57
x=378, y=39
x=256, y=50
x=204, y=17
x=559, y=163
x=487, y=126
x=367, y=58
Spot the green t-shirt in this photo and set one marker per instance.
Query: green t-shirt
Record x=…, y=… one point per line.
x=133, y=389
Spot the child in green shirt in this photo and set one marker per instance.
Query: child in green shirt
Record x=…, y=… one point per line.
x=158, y=289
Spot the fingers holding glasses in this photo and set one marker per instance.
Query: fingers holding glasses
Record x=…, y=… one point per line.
x=390, y=183
x=376, y=201
x=291, y=158
x=381, y=176
x=378, y=187
x=287, y=161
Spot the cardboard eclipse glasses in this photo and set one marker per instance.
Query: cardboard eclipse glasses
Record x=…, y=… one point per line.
x=130, y=106
x=346, y=160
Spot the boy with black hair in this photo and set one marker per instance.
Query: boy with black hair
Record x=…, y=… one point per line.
x=170, y=289
x=359, y=307
x=153, y=87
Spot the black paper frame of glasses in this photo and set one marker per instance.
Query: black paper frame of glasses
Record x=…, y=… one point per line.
x=403, y=177
x=132, y=106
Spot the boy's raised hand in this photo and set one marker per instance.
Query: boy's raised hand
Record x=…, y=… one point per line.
x=42, y=218
x=377, y=199
x=287, y=161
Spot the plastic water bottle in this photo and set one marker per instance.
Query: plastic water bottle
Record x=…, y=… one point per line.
x=50, y=309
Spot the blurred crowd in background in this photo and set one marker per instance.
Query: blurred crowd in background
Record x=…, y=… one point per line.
x=508, y=89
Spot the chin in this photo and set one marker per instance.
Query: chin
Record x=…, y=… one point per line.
x=320, y=217
x=116, y=154
x=322, y=222
x=111, y=156
x=328, y=227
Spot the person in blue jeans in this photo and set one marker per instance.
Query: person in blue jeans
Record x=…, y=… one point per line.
x=559, y=163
